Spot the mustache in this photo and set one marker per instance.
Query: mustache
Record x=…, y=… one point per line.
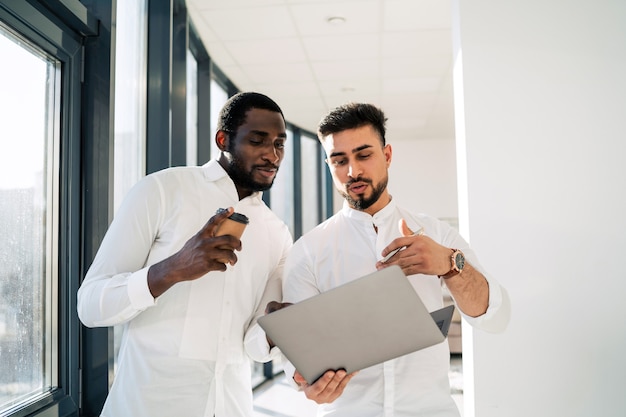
x=358, y=179
x=266, y=166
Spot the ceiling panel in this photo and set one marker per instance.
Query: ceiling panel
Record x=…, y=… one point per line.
x=360, y=17
x=281, y=73
x=342, y=47
x=253, y=52
x=408, y=15
x=393, y=53
x=275, y=23
x=346, y=70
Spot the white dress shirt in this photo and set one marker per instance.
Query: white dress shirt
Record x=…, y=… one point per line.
x=188, y=352
x=346, y=247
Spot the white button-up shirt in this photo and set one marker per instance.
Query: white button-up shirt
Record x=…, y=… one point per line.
x=188, y=352
x=346, y=247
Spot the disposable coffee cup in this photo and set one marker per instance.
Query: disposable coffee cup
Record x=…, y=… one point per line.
x=233, y=225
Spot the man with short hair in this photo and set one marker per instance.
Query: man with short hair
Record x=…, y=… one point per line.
x=187, y=302
x=354, y=243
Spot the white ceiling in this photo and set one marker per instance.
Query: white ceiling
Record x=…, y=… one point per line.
x=396, y=54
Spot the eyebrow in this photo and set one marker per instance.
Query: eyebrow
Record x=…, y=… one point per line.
x=266, y=134
x=355, y=150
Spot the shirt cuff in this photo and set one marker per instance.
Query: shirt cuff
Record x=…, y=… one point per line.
x=138, y=292
x=257, y=346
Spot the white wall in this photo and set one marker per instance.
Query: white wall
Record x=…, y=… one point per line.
x=545, y=129
x=422, y=176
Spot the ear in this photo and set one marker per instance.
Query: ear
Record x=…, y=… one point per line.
x=221, y=140
x=387, y=151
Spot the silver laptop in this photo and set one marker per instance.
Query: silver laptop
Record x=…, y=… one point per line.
x=359, y=324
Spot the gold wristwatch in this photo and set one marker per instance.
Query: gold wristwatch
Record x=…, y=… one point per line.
x=457, y=262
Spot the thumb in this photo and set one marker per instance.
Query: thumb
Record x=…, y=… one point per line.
x=404, y=229
x=298, y=378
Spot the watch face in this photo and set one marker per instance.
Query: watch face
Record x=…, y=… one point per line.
x=459, y=260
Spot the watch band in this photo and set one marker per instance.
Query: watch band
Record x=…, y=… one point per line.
x=455, y=266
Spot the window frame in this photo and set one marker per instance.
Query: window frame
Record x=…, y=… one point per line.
x=59, y=29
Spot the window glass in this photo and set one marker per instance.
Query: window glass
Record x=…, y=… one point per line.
x=326, y=186
x=130, y=96
x=219, y=96
x=192, y=109
x=28, y=203
x=311, y=182
x=130, y=109
x=282, y=192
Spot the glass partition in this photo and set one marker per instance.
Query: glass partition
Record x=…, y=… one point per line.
x=219, y=96
x=192, y=109
x=130, y=109
x=311, y=182
x=282, y=192
x=130, y=96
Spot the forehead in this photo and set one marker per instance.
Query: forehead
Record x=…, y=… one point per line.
x=351, y=140
x=263, y=120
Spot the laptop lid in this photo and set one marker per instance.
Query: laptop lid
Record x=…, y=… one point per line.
x=370, y=320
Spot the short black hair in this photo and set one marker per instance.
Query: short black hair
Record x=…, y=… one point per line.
x=233, y=114
x=352, y=116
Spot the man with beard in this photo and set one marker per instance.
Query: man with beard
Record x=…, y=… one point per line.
x=356, y=242
x=187, y=302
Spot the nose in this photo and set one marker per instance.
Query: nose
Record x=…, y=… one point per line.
x=354, y=170
x=272, y=154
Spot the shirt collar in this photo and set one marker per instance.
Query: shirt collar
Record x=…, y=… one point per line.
x=214, y=172
x=379, y=218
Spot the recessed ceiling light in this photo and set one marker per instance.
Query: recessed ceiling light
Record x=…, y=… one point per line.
x=336, y=20
x=347, y=89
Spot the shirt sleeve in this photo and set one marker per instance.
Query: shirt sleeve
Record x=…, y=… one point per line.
x=255, y=340
x=115, y=288
x=496, y=317
x=300, y=282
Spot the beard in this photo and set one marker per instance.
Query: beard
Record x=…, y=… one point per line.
x=243, y=178
x=362, y=202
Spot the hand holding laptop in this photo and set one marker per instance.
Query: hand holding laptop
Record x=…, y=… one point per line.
x=327, y=388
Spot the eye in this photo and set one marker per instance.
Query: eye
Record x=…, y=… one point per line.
x=256, y=141
x=338, y=162
x=364, y=156
x=279, y=144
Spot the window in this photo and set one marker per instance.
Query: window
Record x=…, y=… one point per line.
x=311, y=182
x=282, y=192
x=29, y=81
x=219, y=96
x=130, y=110
x=192, y=109
x=130, y=93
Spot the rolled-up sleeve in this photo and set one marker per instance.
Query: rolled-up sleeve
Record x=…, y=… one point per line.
x=496, y=318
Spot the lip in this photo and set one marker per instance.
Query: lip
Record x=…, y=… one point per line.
x=358, y=187
x=267, y=172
